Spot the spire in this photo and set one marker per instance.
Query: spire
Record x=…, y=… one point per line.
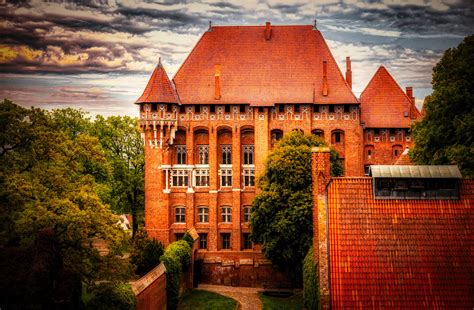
x=159, y=88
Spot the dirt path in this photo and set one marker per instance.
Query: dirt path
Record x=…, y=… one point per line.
x=246, y=296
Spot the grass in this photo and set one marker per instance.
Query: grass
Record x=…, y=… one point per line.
x=204, y=300
x=294, y=302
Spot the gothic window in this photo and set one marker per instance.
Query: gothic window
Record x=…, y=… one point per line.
x=226, y=177
x=248, y=154
x=396, y=151
x=225, y=241
x=281, y=108
x=180, y=215
x=247, y=212
x=203, y=241
x=337, y=137
x=197, y=109
x=318, y=133
x=179, y=177
x=369, y=152
x=201, y=177
x=226, y=155
x=203, y=214
x=246, y=242
x=226, y=213
x=181, y=154
x=203, y=153
x=331, y=108
x=276, y=135
x=347, y=108
x=249, y=176
x=297, y=108
x=242, y=108
x=227, y=108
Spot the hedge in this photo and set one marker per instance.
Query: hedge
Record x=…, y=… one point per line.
x=176, y=259
x=310, y=282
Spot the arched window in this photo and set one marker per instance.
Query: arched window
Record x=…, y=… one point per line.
x=318, y=133
x=369, y=152
x=275, y=136
x=337, y=137
x=397, y=150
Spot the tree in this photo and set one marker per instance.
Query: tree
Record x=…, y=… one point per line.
x=446, y=133
x=49, y=202
x=146, y=253
x=121, y=140
x=281, y=218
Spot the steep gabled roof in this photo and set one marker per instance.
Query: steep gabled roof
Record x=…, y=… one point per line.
x=287, y=68
x=384, y=104
x=159, y=88
x=399, y=254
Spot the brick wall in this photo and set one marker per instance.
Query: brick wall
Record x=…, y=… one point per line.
x=150, y=290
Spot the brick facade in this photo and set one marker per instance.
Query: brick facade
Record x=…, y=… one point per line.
x=209, y=132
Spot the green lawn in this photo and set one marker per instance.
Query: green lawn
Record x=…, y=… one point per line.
x=294, y=302
x=204, y=300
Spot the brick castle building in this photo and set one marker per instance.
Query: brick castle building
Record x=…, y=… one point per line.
x=209, y=129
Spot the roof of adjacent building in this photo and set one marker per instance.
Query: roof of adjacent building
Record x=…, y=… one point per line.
x=287, y=68
x=401, y=254
x=159, y=88
x=384, y=104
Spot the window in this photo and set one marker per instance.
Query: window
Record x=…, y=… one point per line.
x=153, y=107
x=226, y=177
x=226, y=214
x=367, y=169
x=168, y=107
x=203, y=153
x=331, y=108
x=178, y=236
x=225, y=241
x=413, y=188
x=181, y=154
x=226, y=154
x=318, y=133
x=246, y=242
x=180, y=215
x=260, y=109
x=281, y=108
x=213, y=108
x=203, y=215
x=203, y=241
x=181, y=109
x=297, y=108
x=247, y=212
x=227, y=108
x=242, y=108
x=197, y=108
x=397, y=150
x=337, y=137
x=248, y=154
x=316, y=108
x=347, y=108
x=276, y=135
x=179, y=177
x=249, y=176
x=201, y=177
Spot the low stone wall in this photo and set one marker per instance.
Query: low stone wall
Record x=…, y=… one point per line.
x=240, y=269
x=150, y=289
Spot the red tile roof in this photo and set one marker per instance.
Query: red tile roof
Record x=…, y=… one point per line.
x=287, y=68
x=403, y=254
x=159, y=88
x=383, y=103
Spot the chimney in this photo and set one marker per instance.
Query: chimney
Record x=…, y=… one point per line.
x=348, y=71
x=410, y=92
x=217, y=82
x=321, y=175
x=325, y=78
x=268, y=31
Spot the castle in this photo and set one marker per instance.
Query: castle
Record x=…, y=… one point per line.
x=209, y=129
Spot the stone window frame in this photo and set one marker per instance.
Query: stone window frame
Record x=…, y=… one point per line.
x=203, y=154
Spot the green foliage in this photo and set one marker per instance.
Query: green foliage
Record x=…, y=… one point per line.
x=48, y=183
x=200, y=300
x=446, y=133
x=281, y=217
x=121, y=141
x=106, y=296
x=146, y=253
x=187, y=237
x=176, y=259
x=294, y=302
x=310, y=282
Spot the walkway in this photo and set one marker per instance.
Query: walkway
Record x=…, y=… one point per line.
x=246, y=296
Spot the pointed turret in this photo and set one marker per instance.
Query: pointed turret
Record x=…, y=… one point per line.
x=159, y=88
x=385, y=105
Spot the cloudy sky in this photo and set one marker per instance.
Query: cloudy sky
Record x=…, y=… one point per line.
x=98, y=54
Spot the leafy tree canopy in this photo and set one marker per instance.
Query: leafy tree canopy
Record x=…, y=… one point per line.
x=281, y=218
x=446, y=133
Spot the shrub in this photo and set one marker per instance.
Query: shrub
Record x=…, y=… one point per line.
x=176, y=259
x=310, y=282
x=146, y=253
x=117, y=296
x=187, y=237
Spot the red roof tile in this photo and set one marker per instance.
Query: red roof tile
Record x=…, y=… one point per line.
x=384, y=104
x=287, y=68
x=399, y=254
x=159, y=88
